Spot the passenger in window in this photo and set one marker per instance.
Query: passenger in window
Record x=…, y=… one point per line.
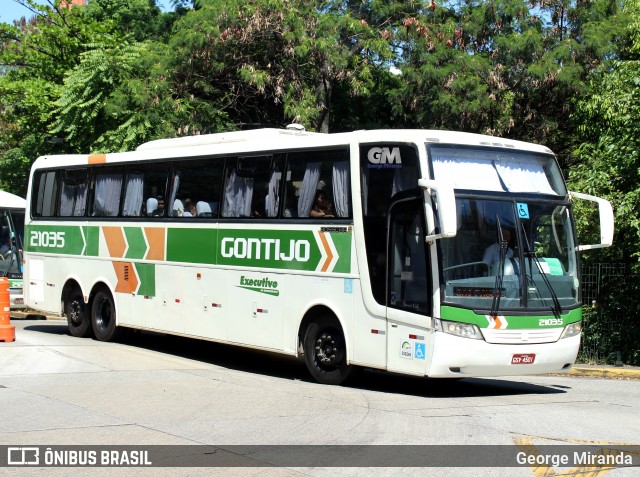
x=321, y=206
x=159, y=212
x=189, y=208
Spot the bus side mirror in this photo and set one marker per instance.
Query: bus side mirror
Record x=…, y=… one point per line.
x=606, y=221
x=445, y=202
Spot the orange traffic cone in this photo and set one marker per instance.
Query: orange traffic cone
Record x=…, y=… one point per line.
x=7, y=330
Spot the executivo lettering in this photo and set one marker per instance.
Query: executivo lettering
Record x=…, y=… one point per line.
x=260, y=285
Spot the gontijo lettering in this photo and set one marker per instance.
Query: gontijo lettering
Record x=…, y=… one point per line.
x=267, y=248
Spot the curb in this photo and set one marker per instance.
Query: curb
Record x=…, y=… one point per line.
x=605, y=372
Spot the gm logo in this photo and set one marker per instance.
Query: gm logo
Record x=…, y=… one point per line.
x=23, y=456
x=384, y=157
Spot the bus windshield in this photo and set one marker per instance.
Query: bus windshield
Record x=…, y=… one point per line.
x=519, y=253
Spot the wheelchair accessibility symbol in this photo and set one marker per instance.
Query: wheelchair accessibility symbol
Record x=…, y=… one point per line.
x=420, y=351
x=523, y=210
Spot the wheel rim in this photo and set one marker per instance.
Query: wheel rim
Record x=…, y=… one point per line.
x=75, y=312
x=327, y=349
x=103, y=313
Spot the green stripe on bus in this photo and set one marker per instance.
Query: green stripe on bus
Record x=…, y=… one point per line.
x=514, y=322
x=147, y=275
x=92, y=236
x=137, y=244
x=304, y=250
x=192, y=245
x=342, y=242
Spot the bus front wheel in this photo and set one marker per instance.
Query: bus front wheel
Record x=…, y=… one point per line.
x=325, y=352
x=78, y=320
x=103, y=316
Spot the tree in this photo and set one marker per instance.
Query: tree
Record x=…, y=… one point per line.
x=83, y=79
x=34, y=56
x=608, y=155
x=278, y=61
x=502, y=67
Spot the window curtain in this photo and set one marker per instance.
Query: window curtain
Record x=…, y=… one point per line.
x=465, y=172
x=81, y=201
x=341, y=202
x=67, y=200
x=308, y=189
x=174, y=189
x=237, y=196
x=404, y=178
x=107, y=195
x=134, y=195
x=488, y=170
x=364, y=180
x=273, y=200
x=519, y=176
x=73, y=200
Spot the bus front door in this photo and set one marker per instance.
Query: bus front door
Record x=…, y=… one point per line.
x=408, y=294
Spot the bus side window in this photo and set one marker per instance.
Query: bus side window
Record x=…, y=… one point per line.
x=44, y=200
x=197, y=185
x=107, y=193
x=310, y=173
x=73, y=197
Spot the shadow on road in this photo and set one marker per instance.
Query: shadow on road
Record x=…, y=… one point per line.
x=287, y=367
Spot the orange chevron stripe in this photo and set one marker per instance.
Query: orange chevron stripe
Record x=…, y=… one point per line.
x=156, y=239
x=97, y=158
x=116, y=242
x=127, y=280
x=327, y=249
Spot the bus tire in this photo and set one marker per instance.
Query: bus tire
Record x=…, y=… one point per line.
x=78, y=320
x=325, y=351
x=103, y=317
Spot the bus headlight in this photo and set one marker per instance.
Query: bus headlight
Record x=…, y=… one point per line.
x=465, y=330
x=572, y=329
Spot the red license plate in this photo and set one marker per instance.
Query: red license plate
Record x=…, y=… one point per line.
x=523, y=358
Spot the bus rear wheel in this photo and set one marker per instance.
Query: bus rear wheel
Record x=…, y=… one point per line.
x=325, y=352
x=77, y=318
x=103, y=317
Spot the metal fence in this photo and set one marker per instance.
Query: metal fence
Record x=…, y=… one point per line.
x=611, y=326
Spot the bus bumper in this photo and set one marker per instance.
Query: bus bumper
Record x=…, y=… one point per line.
x=456, y=357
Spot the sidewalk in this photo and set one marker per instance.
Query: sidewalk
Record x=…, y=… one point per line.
x=579, y=370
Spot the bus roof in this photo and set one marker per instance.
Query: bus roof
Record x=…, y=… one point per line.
x=271, y=139
x=11, y=201
x=291, y=135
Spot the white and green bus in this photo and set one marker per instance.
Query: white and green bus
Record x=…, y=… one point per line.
x=223, y=237
x=11, y=231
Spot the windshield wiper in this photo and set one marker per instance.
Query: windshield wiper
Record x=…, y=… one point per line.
x=531, y=255
x=497, y=287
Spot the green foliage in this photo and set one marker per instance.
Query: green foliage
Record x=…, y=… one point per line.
x=608, y=161
x=14, y=172
x=611, y=325
x=277, y=61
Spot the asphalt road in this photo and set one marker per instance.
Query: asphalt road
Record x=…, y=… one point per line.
x=153, y=389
